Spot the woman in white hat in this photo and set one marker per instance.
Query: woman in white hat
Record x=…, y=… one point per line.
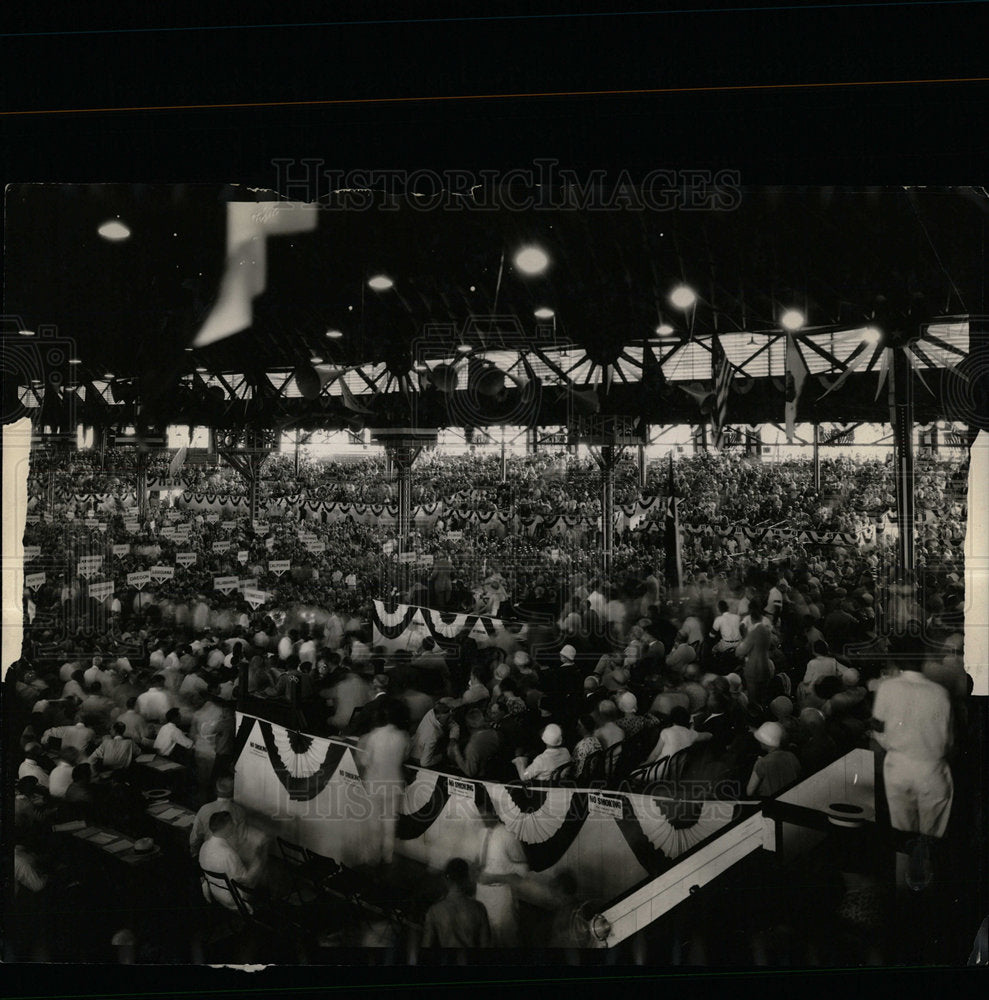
x=554, y=756
x=776, y=769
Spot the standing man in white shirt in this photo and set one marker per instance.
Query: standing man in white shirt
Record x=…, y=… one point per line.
x=911, y=720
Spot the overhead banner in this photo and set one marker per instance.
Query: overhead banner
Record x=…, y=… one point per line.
x=161, y=573
x=186, y=559
x=279, y=566
x=225, y=584
x=34, y=580
x=140, y=579
x=101, y=591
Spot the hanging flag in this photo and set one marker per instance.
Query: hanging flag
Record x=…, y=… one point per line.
x=177, y=462
x=350, y=400
x=674, y=555
x=722, y=372
x=796, y=374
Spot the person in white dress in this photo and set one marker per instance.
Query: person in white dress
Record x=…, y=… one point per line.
x=382, y=754
x=501, y=863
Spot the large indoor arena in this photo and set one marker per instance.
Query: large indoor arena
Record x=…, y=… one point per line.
x=404, y=583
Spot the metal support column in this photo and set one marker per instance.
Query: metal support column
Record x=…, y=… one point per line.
x=297, y=453
x=643, y=466
x=142, y=484
x=817, y=457
x=607, y=458
x=901, y=415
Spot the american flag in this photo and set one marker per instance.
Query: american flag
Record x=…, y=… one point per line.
x=722, y=372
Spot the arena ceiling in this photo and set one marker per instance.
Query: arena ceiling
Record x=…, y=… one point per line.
x=132, y=312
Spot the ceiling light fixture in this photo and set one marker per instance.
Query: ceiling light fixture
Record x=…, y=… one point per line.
x=663, y=329
x=75, y=361
x=544, y=312
x=683, y=296
x=334, y=334
x=792, y=319
x=25, y=333
x=531, y=260
x=380, y=283
x=464, y=349
x=871, y=335
x=114, y=231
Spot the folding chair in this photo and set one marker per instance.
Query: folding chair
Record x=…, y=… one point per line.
x=306, y=867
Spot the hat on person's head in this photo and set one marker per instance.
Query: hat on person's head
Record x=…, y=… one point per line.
x=552, y=735
x=521, y=659
x=225, y=786
x=781, y=707
x=812, y=718
x=591, y=683
x=608, y=709
x=734, y=682
x=502, y=671
x=628, y=703
x=851, y=677
x=568, y=653
x=769, y=734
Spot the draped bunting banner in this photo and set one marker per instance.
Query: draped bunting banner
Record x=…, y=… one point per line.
x=313, y=790
x=404, y=626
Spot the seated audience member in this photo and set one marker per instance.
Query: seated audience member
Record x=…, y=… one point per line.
x=116, y=752
x=80, y=792
x=61, y=776
x=608, y=732
x=31, y=766
x=136, y=726
x=155, y=703
x=219, y=855
x=483, y=743
x=458, y=920
x=587, y=745
x=815, y=748
x=553, y=757
x=171, y=741
x=223, y=802
x=431, y=735
x=776, y=769
x=676, y=736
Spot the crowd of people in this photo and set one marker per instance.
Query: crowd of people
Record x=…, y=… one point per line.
x=763, y=666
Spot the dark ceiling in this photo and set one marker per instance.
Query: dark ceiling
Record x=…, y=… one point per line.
x=133, y=307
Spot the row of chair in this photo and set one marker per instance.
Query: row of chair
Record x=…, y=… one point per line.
x=327, y=905
x=618, y=768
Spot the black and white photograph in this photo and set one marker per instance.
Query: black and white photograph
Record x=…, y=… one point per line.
x=531, y=568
